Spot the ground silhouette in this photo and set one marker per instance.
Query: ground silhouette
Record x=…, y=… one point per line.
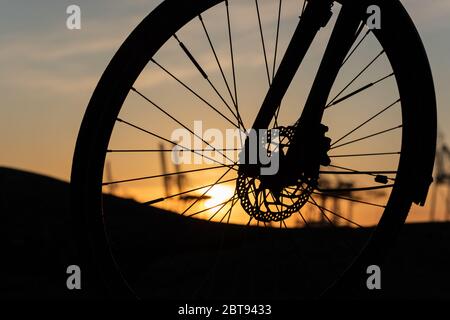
x=151, y=244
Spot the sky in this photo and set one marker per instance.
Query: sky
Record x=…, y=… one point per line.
x=48, y=72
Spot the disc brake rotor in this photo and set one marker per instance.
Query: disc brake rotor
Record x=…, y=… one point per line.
x=265, y=203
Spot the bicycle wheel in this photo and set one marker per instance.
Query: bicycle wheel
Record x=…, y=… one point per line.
x=339, y=198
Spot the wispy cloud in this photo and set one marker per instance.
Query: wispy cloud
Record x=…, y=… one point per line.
x=62, y=61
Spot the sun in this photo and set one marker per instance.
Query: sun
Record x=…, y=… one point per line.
x=219, y=194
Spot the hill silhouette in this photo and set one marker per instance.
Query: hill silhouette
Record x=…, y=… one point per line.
x=151, y=245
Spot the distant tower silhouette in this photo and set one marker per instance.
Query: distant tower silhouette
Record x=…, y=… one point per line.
x=335, y=192
x=442, y=177
x=177, y=179
x=342, y=190
x=180, y=178
x=109, y=177
x=166, y=178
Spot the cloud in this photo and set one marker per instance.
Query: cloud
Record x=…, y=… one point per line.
x=61, y=61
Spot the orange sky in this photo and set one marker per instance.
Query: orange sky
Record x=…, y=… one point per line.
x=48, y=74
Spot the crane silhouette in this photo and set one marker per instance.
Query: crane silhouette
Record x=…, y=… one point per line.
x=337, y=192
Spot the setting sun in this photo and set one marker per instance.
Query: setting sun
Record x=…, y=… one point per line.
x=219, y=194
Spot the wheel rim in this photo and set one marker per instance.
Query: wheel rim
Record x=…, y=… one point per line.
x=338, y=142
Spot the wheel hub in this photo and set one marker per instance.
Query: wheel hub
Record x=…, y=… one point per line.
x=273, y=198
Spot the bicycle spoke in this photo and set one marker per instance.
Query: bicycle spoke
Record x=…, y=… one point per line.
x=355, y=78
x=323, y=213
x=233, y=68
x=365, y=122
x=349, y=199
x=276, y=39
x=167, y=150
x=209, y=188
x=233, y=197
x=216, y=58
x=367, y=137
x=334, y=213
x=363, y=88
x=228, y=213
x=355, y=189
x=196, y=94
x=178, y=122
x=221, y=205
x=365, y=154
x=212, y=207
x=185, y=192
x=306, y=224
x=169, y=141
x=357, y=45
x=262, y=42
x=203, y=73
x=161, y=175
x=277, y=112
x=357, y=172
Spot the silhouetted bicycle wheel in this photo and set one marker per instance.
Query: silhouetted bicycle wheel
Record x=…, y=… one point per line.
x=355, y=111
